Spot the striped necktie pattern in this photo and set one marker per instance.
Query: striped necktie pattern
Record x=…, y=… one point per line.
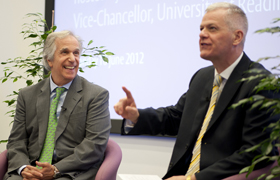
x=195, y=161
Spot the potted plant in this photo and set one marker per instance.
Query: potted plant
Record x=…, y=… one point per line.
x=269, y=83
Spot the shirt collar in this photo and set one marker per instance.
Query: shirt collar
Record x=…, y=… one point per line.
x=53, y=85
x=227, y=72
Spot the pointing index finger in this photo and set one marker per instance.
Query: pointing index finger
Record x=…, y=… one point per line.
x=127, y=92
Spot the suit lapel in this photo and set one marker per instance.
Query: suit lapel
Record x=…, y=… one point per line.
x=71, y=100
x=204, y=89
x=42, y=107
x=230, y=88
x=201, y=112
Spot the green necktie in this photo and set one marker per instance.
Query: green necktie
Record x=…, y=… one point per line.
x=195, y=162
x=47, y=152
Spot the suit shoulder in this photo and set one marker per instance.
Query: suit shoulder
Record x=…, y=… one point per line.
x=207, y=69
x=34, y=87
x=256, y=65
x=203, y=73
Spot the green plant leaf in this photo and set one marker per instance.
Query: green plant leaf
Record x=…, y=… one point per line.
x=269, y=177
x=109, y=53
x=15, y=93
x=244, y=170
x=15, y=80
x=81, y=70
x=86, y=55
x=105, y=59
x=90, y=66
x=90, y=42
x=44, y=36
x=31, y=36
x=276, y=170
x=261, y=176
x=3, y=141
x=54, y=28
x=10, y=102
x=271, y=30
x=258, y=97
x=256, y=104
x=269, y=104
x=241, y=102
x=29, y=82
x=4, y=80
x=252, y=148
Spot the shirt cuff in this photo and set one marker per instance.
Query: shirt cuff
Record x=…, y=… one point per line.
x=20, y=169
x=128, y=125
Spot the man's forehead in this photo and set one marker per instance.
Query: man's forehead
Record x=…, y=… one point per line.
x=213, y=17
x=67, y=48
x=66, y=43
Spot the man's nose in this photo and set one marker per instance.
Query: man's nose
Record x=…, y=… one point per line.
x=203, y=33
x=71, y=57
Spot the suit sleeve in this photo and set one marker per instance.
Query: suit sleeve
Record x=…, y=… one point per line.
x=18, y=139
x=165, y=121
x=90, y=152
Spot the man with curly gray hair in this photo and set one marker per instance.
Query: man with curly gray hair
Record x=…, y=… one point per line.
x=62, y=124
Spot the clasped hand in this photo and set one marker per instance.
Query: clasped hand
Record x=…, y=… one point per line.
x=126, y=107
x=33, y=173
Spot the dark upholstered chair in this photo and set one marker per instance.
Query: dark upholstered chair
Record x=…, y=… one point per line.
x=3, y=164
x=254, y=174
x=109, y=167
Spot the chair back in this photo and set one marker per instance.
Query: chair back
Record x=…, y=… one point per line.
x=256, y=173
x=3, y=164
x=109, y=168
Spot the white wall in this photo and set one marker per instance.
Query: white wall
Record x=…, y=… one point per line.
x=11, y=46
x=141, y=154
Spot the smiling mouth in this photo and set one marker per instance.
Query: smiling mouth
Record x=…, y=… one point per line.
x=69, y=67
x=204, y=44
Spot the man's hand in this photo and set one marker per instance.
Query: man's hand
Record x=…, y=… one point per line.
x=181, y=178
x=31, y=173
x=126, y=107
x=47, y=170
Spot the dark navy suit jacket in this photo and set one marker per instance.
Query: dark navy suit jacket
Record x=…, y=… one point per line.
x=230, y=131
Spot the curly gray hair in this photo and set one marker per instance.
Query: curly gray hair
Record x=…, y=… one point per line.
x=50, y=46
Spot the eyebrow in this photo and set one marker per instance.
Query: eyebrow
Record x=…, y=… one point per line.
x=207, y=25
x=63, y=49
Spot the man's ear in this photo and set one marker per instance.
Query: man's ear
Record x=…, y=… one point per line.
x=238, y=37
x=50, y=63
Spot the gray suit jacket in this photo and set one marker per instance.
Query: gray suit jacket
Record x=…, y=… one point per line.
x=81, y=135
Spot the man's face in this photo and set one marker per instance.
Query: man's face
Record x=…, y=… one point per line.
x=65, y=64
x=215, y=36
